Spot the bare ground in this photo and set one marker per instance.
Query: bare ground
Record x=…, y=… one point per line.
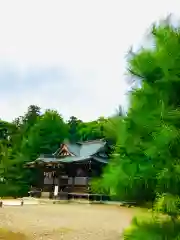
x=66, y=221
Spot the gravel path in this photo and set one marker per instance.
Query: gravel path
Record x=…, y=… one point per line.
x=66, y=221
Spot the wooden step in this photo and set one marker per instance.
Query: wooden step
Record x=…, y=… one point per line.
x=45, y=194
x=80, y=189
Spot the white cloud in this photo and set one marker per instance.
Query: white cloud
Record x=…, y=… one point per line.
x=88, y=39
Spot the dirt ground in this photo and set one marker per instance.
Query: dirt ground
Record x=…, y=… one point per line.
x=66, y=221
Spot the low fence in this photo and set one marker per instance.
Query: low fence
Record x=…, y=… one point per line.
x=70, y=196
x=89, y=197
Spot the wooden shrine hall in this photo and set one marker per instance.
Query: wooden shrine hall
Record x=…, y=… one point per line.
x=70, y=169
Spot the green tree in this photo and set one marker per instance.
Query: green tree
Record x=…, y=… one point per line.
x=147, y=159
x=45, y=136
x=74, y=125
x=12, y=182
x=92, y=130
x=29, y=119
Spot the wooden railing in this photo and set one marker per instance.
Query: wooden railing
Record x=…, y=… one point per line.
x=82, y=181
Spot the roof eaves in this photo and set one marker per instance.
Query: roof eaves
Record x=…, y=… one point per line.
x=91, y=142
x=105, y=161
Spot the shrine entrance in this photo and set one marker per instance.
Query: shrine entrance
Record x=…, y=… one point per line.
x=70, y=168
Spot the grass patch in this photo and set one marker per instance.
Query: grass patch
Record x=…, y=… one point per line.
x=9, y=235
x=156, y=228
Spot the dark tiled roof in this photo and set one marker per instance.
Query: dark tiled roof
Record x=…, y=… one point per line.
x=82, y=151
x=101, y=160
x=67, y=159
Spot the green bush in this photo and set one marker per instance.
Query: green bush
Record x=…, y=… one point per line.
x=152, y=228
x=97, y=186
x=13, y=190
x=168, y=204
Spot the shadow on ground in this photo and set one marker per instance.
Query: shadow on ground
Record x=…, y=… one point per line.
x=9, y=235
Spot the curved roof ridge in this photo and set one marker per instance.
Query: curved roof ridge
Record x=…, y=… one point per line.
x=91, y=141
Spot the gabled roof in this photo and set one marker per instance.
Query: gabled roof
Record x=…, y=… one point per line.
x=78, y=152
x=85, y=149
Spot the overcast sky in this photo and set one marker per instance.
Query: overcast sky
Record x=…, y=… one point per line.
x=68, y=55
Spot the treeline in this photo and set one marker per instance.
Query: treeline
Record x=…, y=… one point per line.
x=37, y=133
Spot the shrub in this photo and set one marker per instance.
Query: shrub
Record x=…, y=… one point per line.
x=152, y=228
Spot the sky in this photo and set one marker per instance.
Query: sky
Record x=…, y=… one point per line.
x=69, y=55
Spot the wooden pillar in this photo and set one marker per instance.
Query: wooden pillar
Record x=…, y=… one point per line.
x=59, y=177
x=89, y=173
x=42, y=171
x=87, y=183
x=54, y=176
x=90, y=168
x=71, y=172
x=73, y=182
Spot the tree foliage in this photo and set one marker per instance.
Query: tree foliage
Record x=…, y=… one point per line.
x=146, y=161
x=33, y=134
